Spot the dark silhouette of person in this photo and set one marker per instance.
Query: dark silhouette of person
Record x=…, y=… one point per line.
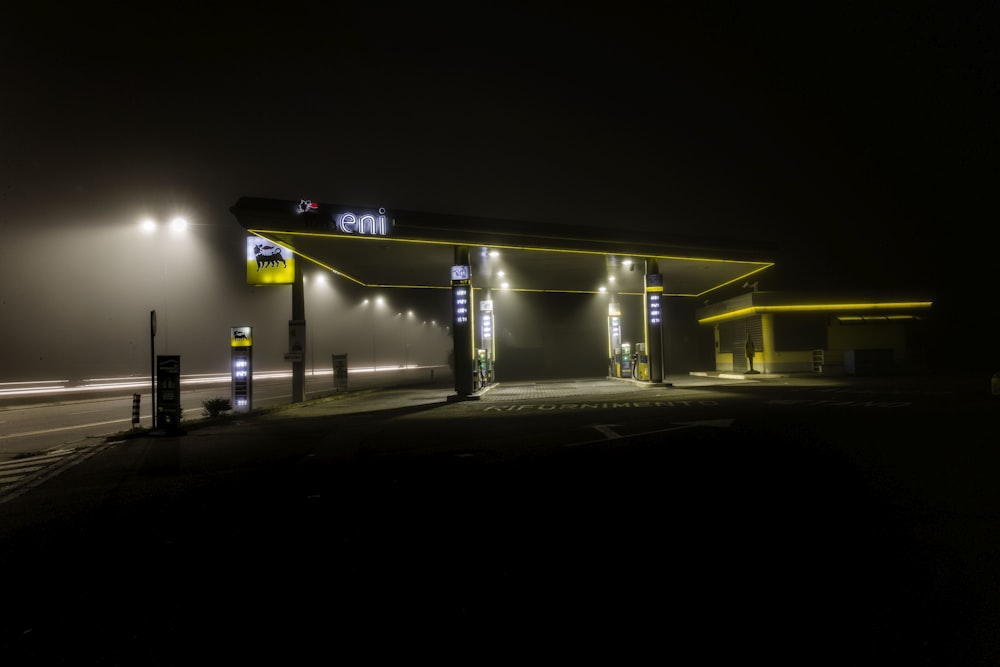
x=750, y=352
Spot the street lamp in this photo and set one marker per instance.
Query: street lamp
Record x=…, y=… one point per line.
x=371, y=314
x=149, y=226
x=320, y=279
x=406, y=350
x=402, y=332
x=177, y=226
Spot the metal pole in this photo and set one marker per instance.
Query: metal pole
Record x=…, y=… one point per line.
x=152, y=364
x=299, y=315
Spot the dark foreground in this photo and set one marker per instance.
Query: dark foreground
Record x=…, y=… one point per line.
x=761, y=543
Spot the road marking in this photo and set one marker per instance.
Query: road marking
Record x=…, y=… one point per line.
x=605, y=429
x=717, y=423
x=61, y=428
x=603, y=405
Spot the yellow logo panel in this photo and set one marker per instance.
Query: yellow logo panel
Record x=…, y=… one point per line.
x=269, y=263
x=240, y=337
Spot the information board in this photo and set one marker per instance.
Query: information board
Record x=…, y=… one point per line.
x=168, y=392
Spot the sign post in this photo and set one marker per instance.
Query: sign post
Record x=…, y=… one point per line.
x=340, y=372
x=654, y=321
x=241, y=345
x=135, y=410
x=462, y=327
x=297, y=347
x=168, y=390
x=152, y=365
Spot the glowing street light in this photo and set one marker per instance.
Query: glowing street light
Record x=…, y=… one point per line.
x=177, y=225
x=402, y=331
x=149, y=226
x=319, y=281
x=371, y=314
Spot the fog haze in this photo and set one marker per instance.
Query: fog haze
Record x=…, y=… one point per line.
x=76, y=302
x=858, y=141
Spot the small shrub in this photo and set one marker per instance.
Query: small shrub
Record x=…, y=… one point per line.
x=216, y=406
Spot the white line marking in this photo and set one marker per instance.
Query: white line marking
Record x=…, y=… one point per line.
x=61, y=428
x=607, y=431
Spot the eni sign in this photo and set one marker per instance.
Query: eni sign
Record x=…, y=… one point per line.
x=365, y=224
x=350, y=221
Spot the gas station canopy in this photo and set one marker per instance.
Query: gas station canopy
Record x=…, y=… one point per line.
x=378, y=247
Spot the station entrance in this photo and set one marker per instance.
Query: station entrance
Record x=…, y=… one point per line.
x=629, y=286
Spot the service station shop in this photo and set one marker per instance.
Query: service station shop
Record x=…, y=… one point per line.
x=641, y=280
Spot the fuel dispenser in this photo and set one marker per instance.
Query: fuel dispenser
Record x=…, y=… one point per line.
x=482, y=369
x=641, y=362
x=623, y=361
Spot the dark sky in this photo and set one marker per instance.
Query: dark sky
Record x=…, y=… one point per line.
x=858, y=140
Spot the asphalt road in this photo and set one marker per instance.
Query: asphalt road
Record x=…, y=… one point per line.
x=74, y=415
x=785, y=522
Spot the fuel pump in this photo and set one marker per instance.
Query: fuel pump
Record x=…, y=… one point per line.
x=641, y=362
x=482, y=368
x=623, y=361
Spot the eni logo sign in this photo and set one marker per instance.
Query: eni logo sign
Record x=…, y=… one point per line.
x=345, y=221
x=365, y=224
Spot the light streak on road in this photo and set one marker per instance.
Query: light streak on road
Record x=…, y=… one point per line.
x=56, y=387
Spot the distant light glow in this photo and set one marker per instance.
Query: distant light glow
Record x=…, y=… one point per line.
x=178, y=224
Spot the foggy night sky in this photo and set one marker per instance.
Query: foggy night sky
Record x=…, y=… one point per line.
x=857, y=139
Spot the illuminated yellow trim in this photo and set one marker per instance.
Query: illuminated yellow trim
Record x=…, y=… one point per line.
x=737, y=279
x=816, y=307
x=313, y=259
x=400, y=286
x=759, y=266
x=875, y=318
x=549, y=291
